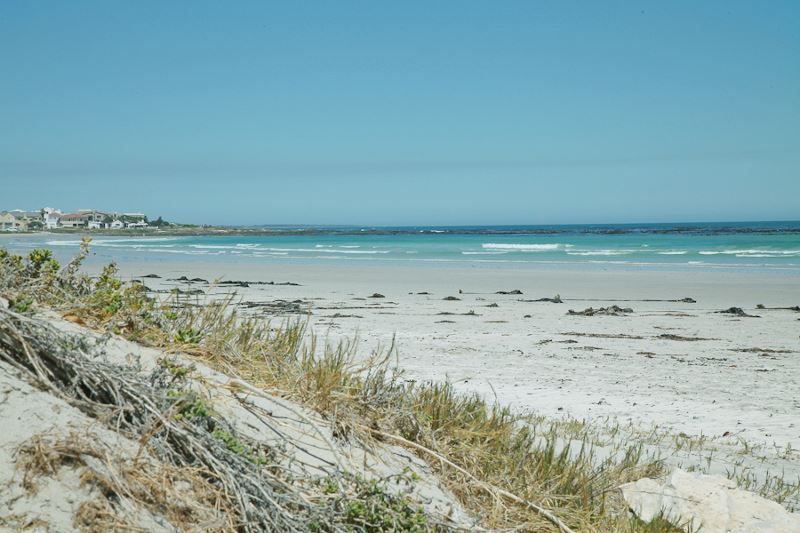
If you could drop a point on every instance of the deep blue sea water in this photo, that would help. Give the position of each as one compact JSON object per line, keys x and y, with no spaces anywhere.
{"x":754,"y":246}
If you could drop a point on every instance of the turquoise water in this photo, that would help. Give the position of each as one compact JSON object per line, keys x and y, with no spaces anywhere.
{"x":743,"y":246}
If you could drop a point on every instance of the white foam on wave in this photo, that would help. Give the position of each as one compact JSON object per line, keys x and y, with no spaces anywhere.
{"x":137,"y":246}
{"x":600,"y":252}
{"x":329,"y":251}
{"x":110,"y":244}
{"x":183,"y":251}
{"x":524,"y":247}
{"x":303,"y":250}
{"x":138,"y":239}
{"x":211,"y":247}
{"x":673,"y":252}
{"x":113,"y":242}
{"x":752,"y":253}
{"x":485,"y":253}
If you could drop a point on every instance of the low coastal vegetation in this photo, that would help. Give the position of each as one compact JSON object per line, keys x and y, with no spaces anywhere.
{"x":508,"y":470}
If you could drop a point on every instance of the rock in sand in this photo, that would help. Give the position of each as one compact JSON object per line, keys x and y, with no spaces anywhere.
{"x":712,"y":503}
{"x":737,"y":311}
{"x":612,"y":310}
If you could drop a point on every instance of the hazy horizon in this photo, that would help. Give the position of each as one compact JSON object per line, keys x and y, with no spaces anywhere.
{"x":636,"y":223}
{"x":452,"y":113}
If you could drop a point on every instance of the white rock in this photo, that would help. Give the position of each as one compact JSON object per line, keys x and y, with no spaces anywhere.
{"x":712,"y":503}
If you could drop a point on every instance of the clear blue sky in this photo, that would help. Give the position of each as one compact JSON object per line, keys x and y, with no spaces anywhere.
{"x":405,"y":112}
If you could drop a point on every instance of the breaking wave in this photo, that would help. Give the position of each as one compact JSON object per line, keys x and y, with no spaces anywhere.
{"x":601,"y":252}
{"x":751,"y":253}
{"x":524,"y":247}
{"x":114,"y":243}
{"x":306,"y":250}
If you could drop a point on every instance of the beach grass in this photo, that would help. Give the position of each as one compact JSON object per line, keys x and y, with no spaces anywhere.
{"x":511,"y":471}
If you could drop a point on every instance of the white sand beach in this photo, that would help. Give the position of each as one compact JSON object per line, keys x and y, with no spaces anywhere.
{"x":708,"y":392}
{"x":668,"y":366}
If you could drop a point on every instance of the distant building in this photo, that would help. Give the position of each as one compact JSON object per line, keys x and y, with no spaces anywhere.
{"x":82,"y":218}
{"x":28,"y":216}
{"x":9,"y":222}
{"x":74,"y":220}
{"x":51,"y":217}
{"x":95,"y":215}
{"x":23,"y":220}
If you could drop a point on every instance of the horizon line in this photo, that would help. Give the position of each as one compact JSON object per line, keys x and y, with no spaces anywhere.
{"x":774,"y":221}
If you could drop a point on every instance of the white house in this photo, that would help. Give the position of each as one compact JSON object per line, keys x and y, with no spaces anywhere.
{"x":117,"y":224}
{"x":94,"y":224}
{"x":140,"y":224}
{"x":51,"y":217}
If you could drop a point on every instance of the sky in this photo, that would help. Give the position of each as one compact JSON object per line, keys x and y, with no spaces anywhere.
{"x":403,"y":113}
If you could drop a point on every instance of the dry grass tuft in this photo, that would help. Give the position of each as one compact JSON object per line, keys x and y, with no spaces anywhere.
{"x":126,"y":485}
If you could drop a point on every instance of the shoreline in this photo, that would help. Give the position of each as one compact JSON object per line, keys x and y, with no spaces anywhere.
{"x":258,"y":256}
{"x":300,"y":254}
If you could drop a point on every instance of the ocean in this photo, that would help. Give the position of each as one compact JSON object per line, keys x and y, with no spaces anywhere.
{"x":752,"y":246}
